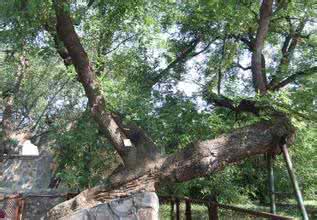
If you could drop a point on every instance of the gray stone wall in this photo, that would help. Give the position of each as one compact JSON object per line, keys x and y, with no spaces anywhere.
{"x":141,"y":206}
{"x":25,"y":173}
{"x":29,"y":176}
{"x":36,"y":207}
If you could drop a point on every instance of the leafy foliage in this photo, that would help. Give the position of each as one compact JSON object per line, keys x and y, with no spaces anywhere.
{"x":84,"y":157}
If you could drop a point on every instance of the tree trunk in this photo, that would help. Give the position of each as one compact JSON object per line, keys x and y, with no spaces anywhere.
{"x":257,"y":59}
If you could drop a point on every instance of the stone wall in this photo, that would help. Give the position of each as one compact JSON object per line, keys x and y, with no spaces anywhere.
{"x":28,"y":177}
{"x":141,"y":206}
{"x":36,"y":207}
{"x":25,"y":173}
{"x":31,"y":207}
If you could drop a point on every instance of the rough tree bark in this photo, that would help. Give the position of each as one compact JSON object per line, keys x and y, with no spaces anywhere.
{"x":199,"y":159}
{"x":112,"y":128}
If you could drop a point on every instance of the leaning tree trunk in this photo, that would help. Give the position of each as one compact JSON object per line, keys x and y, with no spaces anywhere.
{"x":197,"y":160}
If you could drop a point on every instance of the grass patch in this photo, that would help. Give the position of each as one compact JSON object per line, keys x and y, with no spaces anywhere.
{"x":200,"y":212}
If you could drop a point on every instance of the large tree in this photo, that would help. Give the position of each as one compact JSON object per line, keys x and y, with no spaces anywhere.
{"x":218,"y":36}
{"x":202,"y":157}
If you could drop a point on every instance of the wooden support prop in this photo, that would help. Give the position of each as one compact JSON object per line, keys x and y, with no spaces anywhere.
{"x":213,"y":209}
{"x":177,"y":209}
{"x":188,"y":211}
{"x":270,"y":161}
{"x":292,"y":176}
{"x":172,"y":209}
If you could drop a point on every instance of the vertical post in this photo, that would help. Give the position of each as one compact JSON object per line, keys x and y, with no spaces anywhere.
{"x":22,"y":208}
{"x":17,"y":211}
{"x":172,"y":209}
{"x":177,"y":209}
{"x":292,"y":176}
{"x":188,"y":211}
{"x":18,"y":206}
{"x":270,"y":162}
{"x":213,"y":209}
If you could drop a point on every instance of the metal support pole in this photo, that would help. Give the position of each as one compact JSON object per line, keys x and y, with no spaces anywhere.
{"x":177,"y":209}
{"x":292,"y":176}
{"x":270,"y":162}
{"x":188,"y":211}
{"x":172,"y":209}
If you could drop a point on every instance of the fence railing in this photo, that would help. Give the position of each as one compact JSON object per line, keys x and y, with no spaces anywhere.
{"x":14,"y":205}
{"x":213,"y":208}
{"x":11,"y":206}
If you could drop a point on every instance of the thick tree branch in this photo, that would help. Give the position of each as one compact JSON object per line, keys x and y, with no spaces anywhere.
{"x":225,"y":102}
{"x":205,"y":157}
{"x":220,"y":101}
{"x":292,"y":78}
{"x":257,"y":59}
{"x":86,"y":75}
{"x":288,"y":48}
{"x":291,"y":42}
